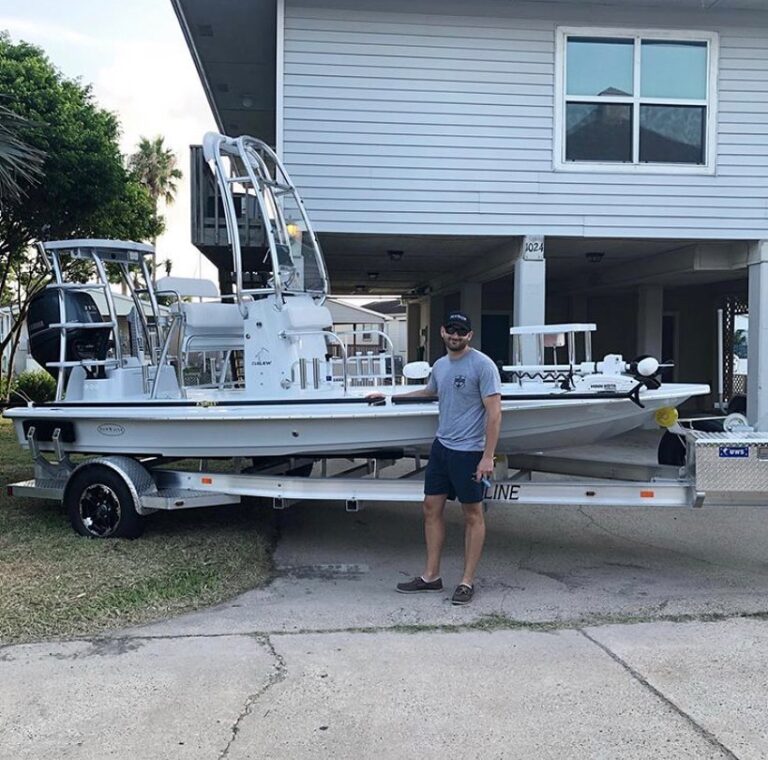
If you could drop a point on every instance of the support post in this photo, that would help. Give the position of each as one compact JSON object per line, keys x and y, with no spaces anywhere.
{"x":530,"y":291}
{"x":435,"y":347}
{"x":757,"y":376}
{"x":650,"y":315}
{"x":413,"y":325}
{"x":423,"y":349}
{"x":472,"y":306}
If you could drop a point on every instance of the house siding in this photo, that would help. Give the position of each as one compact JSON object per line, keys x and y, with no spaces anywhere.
{"x":410,"y":121}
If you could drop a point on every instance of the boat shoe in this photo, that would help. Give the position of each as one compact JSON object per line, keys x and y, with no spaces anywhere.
{"x":419,"y":584}
{"x":463,"y":594}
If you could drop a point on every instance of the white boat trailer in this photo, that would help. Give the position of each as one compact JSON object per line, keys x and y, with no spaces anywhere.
{"x":108,"y":496}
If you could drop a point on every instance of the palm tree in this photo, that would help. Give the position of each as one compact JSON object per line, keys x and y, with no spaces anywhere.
{"x":20,"y":163}
{"x":154,"y":165}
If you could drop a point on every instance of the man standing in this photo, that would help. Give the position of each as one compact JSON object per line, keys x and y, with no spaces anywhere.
{"x":468,"y":388}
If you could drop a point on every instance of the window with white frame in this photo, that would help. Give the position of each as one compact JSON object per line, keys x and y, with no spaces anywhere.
{"x":640,"y":100}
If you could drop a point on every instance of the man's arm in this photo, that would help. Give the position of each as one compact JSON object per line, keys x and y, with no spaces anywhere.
{"x":492,"y":406}
{"x":376,"y":396}
{"x":428,"y":391}
{"x":425,"y":391}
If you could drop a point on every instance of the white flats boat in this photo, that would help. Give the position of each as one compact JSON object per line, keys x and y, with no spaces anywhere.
{"x":273,"y":378}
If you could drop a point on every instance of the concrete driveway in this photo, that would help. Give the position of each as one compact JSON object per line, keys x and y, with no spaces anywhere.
{"x":596,"y":633}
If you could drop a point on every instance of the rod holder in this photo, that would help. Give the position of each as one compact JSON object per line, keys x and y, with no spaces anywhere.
{"x":303,"y":373}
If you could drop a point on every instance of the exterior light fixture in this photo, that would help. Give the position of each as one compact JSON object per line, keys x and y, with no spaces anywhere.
{"x":373,"y":275}
{"x":247,"y":101}
{"x":594,"y":257}
{"x":395,"y":255}
{"x":294,"y":231}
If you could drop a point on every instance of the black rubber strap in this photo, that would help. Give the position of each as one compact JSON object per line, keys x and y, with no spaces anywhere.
{"x":632,"y":395}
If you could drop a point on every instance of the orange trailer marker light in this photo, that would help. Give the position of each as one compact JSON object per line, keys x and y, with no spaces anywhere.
{"x":647,"y":494}
{"x":206,"y":481}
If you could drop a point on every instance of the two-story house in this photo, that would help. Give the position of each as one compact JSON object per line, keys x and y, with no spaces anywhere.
{"x":526,"y":161}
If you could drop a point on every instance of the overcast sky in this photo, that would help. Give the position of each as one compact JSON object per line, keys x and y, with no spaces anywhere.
{"x":134,"y":55}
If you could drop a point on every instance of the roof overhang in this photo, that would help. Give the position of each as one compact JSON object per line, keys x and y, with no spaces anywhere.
{"x":347,"y":314}
{"x":234,"y":45}
{"x":682,"y":5}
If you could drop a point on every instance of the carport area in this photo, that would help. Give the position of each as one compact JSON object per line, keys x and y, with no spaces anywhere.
{"x":663,"y":297}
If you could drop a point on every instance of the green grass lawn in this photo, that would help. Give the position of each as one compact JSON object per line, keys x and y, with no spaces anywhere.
{"x":54,"y":583}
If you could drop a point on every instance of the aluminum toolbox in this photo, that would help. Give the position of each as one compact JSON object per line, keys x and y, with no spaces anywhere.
{"x":732,"y":463}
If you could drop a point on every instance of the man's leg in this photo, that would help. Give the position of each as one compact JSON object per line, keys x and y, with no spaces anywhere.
{"x":474,"y":538}
{"x":434,"y":533}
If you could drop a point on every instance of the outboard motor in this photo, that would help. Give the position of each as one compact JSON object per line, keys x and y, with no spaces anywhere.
{"x":81,"y":343}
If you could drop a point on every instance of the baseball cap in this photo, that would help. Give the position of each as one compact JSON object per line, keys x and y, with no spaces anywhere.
{"x":459,"y":319}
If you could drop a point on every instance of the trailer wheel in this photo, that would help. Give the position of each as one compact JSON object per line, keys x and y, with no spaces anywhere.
{"x":671,"y":450}
{"x":100,"y":504}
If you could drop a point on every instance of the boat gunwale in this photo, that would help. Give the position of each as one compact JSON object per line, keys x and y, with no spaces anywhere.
{"x":226,"y":410}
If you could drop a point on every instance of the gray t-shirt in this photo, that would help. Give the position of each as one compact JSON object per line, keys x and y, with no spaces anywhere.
{"x":461,"y":385}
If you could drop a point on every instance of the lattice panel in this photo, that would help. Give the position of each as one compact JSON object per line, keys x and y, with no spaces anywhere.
{"x":733,"y":385}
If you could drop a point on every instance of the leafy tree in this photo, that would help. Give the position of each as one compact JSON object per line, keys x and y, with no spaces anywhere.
{"x":85,"y":190}
{"x":154,"y":166}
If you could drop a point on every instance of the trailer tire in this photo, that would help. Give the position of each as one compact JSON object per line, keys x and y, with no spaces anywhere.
{"x":671,"y":450}
{"x":100,"y":504}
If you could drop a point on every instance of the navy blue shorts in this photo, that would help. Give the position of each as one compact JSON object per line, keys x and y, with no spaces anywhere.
{"x":453,"y":473}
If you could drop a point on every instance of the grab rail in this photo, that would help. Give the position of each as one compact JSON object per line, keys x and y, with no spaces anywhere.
{"x":345,"y":354}
{"x":390,"y":352}
{"x":64,"y":325}
{"x":119,"y":253}
{"x":175,"y":319}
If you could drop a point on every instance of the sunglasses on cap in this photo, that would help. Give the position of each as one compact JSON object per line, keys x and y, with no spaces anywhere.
{"x":454,"y":330}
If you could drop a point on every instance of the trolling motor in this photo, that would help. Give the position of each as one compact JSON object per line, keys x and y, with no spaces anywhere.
{"x":645,"y":369}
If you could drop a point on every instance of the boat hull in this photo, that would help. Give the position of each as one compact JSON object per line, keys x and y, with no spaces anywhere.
{"x":176,"y":430}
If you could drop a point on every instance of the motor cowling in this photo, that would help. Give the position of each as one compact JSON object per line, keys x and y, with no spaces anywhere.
{"x":81,"y":344}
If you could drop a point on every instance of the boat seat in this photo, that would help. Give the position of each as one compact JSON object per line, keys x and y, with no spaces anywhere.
{"x":307,"y":316}
{"x":187,"y":287}
{"x":212,"y":327}
{"x":208,"y":325}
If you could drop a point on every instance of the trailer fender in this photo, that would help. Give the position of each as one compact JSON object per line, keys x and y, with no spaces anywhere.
{"x":103,"y":497}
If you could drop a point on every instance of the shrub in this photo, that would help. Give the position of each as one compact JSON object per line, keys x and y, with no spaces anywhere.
{"x":37,"y":385}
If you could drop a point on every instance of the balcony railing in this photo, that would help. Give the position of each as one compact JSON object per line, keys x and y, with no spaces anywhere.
{"x":209,"y":229}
